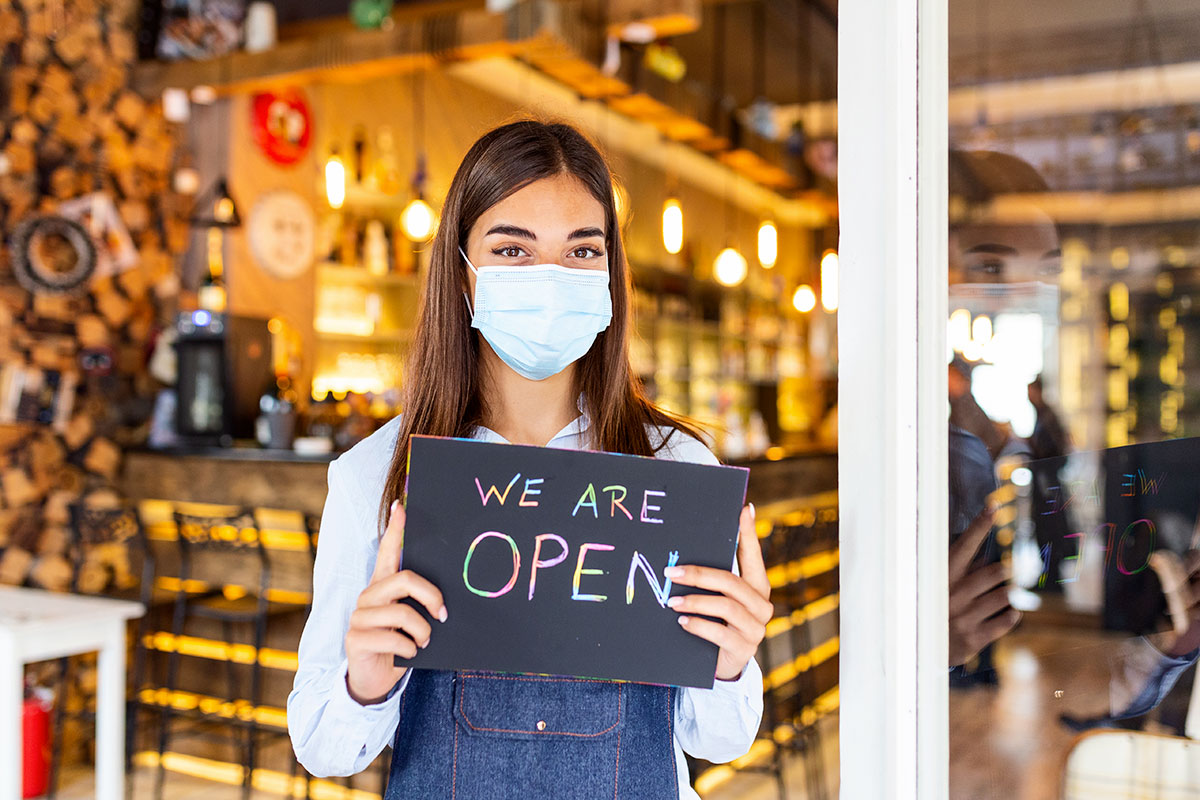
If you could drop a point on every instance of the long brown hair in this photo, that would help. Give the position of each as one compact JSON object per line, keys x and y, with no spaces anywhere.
{"x":442,"y":394}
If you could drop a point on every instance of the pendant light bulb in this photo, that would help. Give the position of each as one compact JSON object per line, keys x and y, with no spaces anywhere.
{"x":805,"y":299}
{"x":829,"y":281}
{"x":417,"y":220}
{"x":730,"y":267}
{"x":672,"y":226}
{"x":768,"y":244}
{"x":335,"y":181}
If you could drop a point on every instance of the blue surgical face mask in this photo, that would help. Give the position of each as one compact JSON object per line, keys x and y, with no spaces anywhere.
{"x":539,"y":319}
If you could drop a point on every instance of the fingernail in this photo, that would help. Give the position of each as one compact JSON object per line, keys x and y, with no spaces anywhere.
{"x":753,"y":513}
{"x":442,"y":614}
{"x":684,"y":620}
{"x":424,"y":644}
{"x":675,"y":602}
{"x":673,"y":572}
{"x":395,"y":503}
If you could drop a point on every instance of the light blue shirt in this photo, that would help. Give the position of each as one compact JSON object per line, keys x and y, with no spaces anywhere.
{"x":334,"y":735}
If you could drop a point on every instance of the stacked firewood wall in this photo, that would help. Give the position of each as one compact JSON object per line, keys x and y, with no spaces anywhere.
{"x":71,"y":126}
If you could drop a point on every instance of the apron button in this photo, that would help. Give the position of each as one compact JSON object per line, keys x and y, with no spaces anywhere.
{"x":541,"y":726}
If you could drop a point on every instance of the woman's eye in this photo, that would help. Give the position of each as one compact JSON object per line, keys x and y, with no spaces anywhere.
{"x":586,"y":252}
{"x":508,"y":252}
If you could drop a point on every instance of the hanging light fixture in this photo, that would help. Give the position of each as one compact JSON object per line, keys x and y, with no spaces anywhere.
{"x":829,"y":281}
{"x":672,"y":226}
{"x":730,"y":267}
{"x":335,"y":180}
{"x":768,"y":244}
{"x":805,"y":299}
{"x":417,"y":219}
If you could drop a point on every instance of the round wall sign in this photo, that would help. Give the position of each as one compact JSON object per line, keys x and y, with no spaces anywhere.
{"x":282,"y":124}
{"x":281,"y":233}
{"x":52,"y":254}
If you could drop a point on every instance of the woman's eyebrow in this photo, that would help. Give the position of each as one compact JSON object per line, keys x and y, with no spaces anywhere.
{"x":512,"y":230}
{"x":585,"y":233}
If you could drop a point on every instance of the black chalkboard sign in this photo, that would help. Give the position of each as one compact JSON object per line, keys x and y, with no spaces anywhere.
{"x":551,"y":561}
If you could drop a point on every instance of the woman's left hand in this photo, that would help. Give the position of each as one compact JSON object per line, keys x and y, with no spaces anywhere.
{"x":742,"y":603}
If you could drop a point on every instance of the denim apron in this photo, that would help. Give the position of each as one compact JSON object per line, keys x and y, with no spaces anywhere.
{"x":485,"y":735}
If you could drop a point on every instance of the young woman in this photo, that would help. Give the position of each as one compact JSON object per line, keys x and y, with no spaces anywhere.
{"x":522,"y":337}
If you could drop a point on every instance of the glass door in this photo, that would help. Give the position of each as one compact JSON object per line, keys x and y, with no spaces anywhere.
{"x":1073,"y":381}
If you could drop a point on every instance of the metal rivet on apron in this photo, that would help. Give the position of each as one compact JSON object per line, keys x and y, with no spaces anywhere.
{"x":541,"y":726}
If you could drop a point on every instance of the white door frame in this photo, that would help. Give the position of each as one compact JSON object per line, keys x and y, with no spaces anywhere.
{"x":892,"y":398}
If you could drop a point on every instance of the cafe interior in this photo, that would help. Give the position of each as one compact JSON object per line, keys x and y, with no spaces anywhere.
{"x":217,"y":219}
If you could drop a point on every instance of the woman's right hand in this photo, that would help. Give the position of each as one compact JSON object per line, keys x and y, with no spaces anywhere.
{"x":382,"y":628}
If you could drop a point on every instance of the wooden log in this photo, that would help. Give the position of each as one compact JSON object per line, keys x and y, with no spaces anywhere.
{"x":46,"y":453}
{"x":21,"y":158}
{"x":114,"y":307}
{"x":35,"y":50}
{"x":19,"y":488}
{"x":55,"y":539}
{"x":15,"y":565}
{"x":74,"y":130}
{"x":56,"y":510}
{"x":91,"y":331}
{"x":65,"y":183}
{"x":135,"y":214}
{"x":130,"y":110}
{"x":103,"y":458}
{"x":59,"y":82}
{"x":11,"y":27}
{"x":8,"y":517}
{"x":24,"y":131}
{"x":133,"y":282}
{"x":79,"y":430}
{"x":121,"y":44}
{"x":73,"y":45}
{"x":58,"y":307}
{"x":51,"y":572}
{"x":22,"y":80}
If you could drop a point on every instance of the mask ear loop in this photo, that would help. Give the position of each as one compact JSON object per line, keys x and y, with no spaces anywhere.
{"x":466,"y":299}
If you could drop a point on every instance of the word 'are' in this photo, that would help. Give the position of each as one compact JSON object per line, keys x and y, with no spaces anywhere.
{"x":587,"y":500}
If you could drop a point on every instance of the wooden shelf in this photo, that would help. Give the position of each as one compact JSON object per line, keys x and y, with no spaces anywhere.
{"x":332,"y":50}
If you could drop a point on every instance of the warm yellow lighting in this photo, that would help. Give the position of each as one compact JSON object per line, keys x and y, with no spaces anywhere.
{"x":730,"y":267}
{"x":620,"y":203}
{"x":768,"y":244}
{"x":1119,"y":258}
{"x":981,"y":329}
{"x":829,"y":281}
{"x":973,"y":351}
{"x":959,"y":329}
{"x":417,"y":220}
{"x":335,"y":181}
{"x":672,"y":226}
{"x":1118,"y":302}
{"x":1118,"y":344}
{"x":805,"y":299}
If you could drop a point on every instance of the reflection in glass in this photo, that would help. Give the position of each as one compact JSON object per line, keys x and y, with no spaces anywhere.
{"x":1074,"y":263}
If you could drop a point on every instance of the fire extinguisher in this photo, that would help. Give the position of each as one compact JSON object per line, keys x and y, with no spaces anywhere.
{"x":35,"y":751}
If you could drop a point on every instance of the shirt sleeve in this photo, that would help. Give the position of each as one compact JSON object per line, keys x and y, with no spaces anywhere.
{"x":719,"y":724}
{"x":331,"y":732}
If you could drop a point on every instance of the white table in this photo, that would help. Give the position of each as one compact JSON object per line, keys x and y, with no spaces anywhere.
{"x":36,"y":626}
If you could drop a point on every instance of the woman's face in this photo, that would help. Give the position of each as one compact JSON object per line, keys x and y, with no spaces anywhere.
{"x":550,"y":221}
